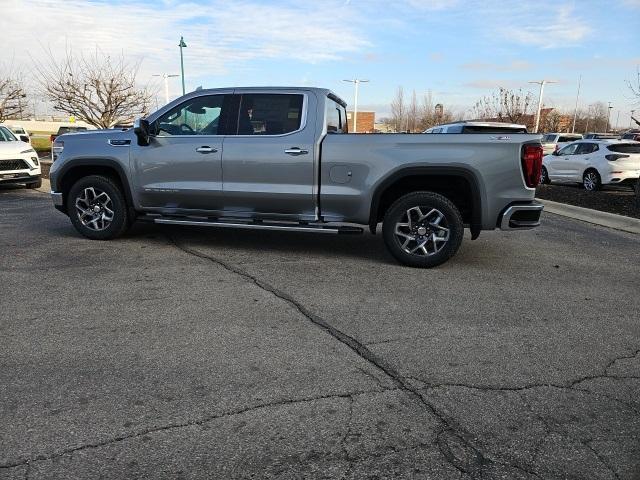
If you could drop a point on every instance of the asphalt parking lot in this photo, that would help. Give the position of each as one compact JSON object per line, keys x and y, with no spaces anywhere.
{"x":197,"y":353}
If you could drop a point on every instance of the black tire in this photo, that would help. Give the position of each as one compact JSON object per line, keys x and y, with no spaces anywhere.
{"x":81,"y":191}
{"x":36,"y":184}
{"x":437,"y":251}
{"x":544,"y":177}
{"x":591,"y":180}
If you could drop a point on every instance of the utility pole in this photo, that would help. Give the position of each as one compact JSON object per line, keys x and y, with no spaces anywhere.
{"x":608,"y":118}
{"x":166,"y":77}
{"x":182,"y":45}
{"x":617,"y":119}
{"x":575,"y":111}
{"x":542,"y":83}
{"x":356,"y":82}
{"x":631,"y":118}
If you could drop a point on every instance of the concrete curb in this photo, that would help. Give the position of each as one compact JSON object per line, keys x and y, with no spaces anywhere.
{"x":604,"y":219}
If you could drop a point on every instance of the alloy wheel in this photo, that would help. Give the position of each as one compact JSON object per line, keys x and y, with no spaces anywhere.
{"x":94,"y":208}
{"x":590,"y":181}
{"x":422,"y":234}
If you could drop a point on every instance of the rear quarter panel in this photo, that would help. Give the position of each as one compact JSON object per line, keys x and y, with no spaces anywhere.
{"x":495,"y":164}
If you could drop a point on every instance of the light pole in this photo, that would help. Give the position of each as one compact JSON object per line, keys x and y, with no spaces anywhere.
{"x":182,"y":45}
{"x":608,"y":118}
{"x":631,"y":118}
{"x":542,"y":84}
{"x":356,"y":82}
{"x":166,"y":77}
{"x":575,"y":111}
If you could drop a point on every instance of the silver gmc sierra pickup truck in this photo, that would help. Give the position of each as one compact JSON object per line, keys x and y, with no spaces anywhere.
{"x":282,"y":159}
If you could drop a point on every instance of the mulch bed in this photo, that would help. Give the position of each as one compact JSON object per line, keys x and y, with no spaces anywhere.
{"x":619,"y":200}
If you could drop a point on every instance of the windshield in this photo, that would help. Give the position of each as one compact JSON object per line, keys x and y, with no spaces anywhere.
{"x":6,"y":135}
{"x":492,"y":129}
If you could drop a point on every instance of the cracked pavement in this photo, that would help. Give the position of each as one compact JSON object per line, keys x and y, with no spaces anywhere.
{"x":204,"y":353}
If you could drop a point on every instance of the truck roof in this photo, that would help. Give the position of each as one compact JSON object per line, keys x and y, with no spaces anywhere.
{"x":320,"y":91}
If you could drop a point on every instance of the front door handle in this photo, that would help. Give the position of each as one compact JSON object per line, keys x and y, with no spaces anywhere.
{"x":296,"y":151}
{"x":206,"y":149}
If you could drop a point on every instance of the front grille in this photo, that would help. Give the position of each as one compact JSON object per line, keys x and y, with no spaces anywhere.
{"x":13,"y":165}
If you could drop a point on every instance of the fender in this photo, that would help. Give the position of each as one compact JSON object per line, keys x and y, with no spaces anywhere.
{"x":98,"y":162}
{"x":476,"y":213}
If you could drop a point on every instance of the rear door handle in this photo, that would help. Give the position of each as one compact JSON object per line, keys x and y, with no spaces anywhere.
{"x":296,"y":151}
{"x":206,"y":149}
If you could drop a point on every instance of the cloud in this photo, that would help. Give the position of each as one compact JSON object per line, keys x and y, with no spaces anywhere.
{"x":562,"y":28}
{"x":221,"y":36}
{"x":513,"y":66}
{"x":490,"y":84}
{"x":432,"y":4}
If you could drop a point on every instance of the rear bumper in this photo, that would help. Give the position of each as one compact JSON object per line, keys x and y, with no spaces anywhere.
{"x":520,"y":216}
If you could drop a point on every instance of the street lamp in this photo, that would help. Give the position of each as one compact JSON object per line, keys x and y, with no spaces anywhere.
{"x":542,"y":84}
{"x":356,"y":82}
{"x":631,"y":118}
{"x":608,"y":118}
{"x":166,"y":77}
{"x":182,"y":45}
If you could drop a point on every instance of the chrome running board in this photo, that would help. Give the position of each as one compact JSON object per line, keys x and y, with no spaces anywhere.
{"x":315,"y":228}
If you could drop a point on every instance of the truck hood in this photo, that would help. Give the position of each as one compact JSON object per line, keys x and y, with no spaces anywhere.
{"x":13,"y":148}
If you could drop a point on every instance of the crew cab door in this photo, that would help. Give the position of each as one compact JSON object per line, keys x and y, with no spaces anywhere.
{"x":268,"y":159}
{"x":560,"y":164}
{"x":181,"y":168}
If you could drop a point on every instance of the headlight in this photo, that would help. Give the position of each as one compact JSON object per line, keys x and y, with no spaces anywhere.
{"x":35,"y":160}
{"x":31,"y":150}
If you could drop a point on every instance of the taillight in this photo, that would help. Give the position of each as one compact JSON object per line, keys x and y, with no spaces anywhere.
{"x":532,"y":164}
{"x":613,"y":157}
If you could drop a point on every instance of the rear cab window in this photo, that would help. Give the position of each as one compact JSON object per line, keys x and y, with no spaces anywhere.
{"x":270,"y":114}
{"x":336,"y":117}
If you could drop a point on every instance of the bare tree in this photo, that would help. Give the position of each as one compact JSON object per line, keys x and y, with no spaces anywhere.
{"x":634,"y":85}
{"x":431,"y":115}
{"x":398,"y":110}
{"x":412,"y":113}
{"x":99,"y":89}
{"x":12,"y":97}
{"x":552,"y":121}
{"x":504,"y":105}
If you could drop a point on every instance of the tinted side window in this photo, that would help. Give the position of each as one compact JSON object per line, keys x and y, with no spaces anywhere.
{"x":336,"y":118}
{"x":569,"y":149}
{"x":197,"y":116}
{"x":567,"y":139}
{"x":269,"y":114}
{"x":549,"y":139}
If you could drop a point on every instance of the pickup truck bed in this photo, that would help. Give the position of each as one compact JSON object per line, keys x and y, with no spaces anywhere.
{"x":281,"y":158}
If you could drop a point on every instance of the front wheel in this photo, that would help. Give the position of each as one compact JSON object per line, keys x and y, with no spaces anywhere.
{"x":97,"y":208}
{"x":591,"y":180}
{"x":423,"y":229}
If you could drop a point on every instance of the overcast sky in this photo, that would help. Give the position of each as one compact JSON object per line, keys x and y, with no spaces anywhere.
{"x":458,"y":49}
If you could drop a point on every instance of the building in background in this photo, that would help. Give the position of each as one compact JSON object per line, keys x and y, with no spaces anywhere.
{"x":366,"y":122}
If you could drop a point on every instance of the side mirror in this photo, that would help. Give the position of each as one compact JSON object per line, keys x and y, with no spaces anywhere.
{"x":555,"y":152}
{"x":141,"y":129}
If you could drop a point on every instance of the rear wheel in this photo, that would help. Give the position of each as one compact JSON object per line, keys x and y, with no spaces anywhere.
{"x":97,"y":208}
{"x":544,"y":177}
{"x":591,"y":180}
{"x":423,"y":229}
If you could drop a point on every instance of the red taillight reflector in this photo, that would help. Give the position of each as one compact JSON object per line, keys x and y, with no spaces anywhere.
{"x":532,"y":164}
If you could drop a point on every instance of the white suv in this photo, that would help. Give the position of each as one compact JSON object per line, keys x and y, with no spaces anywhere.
{"x":18,"y":161}
{"x":555,"y":141}
{"x":594,"y":163}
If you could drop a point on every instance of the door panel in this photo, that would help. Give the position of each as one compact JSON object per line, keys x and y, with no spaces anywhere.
{"x":181,"y":168}
{"x":172,"y":174}
{"x":561,"y":163}
{"x":269,"y":167}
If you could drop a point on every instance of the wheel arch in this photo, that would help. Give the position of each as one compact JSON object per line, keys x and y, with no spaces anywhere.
{"x":72,"y":171}
{"x":458,"y":182}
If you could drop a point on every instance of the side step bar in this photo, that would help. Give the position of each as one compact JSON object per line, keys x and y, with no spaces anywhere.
{"x":262,"y":226}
